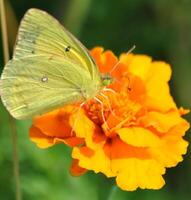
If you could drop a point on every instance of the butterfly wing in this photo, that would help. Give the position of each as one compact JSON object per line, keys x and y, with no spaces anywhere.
{"x":41,"y":34}
{"x":34,"y":85}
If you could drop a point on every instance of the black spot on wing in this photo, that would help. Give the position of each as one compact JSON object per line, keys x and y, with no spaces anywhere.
{"x":68,"y":48}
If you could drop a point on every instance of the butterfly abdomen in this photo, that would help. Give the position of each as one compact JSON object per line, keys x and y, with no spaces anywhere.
{"x":89,"y":91}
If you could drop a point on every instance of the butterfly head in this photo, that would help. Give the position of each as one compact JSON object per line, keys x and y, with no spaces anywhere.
{"x":106,"y":79}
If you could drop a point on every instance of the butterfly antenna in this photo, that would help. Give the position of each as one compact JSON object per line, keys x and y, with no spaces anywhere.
{"x":115,"y":66}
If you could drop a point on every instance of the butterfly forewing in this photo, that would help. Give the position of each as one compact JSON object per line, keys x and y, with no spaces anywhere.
{"x":41,"y":34}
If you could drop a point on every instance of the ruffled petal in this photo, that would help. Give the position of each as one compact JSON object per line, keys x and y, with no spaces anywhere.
{"x":135,"y":173}
{"x":173,"y":146}
{"x":139,"y":137}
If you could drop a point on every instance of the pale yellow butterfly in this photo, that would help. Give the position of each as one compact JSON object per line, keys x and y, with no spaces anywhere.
{"x":50,"y":68}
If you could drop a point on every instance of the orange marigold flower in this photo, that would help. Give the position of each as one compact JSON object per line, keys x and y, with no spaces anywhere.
{"x":134,"y":135}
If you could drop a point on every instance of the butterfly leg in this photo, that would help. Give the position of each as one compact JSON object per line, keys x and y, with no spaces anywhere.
{"x":102,"y":112}
{"x":109,"y":105}
{"x":109,"y":90}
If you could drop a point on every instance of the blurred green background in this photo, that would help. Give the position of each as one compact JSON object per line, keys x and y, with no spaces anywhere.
{"x":159,"y":28}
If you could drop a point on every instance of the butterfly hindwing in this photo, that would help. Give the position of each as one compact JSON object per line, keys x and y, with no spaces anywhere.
{"x":34,"y":85}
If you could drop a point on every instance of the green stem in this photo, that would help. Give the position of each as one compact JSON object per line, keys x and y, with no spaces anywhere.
{"x":11,"y":120}
{"x":4,"y":32}
{"x":112,"y":192}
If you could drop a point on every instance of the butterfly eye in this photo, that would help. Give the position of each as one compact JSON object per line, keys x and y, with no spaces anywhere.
{"x":106,"y":79}
{"x":68,"y":48}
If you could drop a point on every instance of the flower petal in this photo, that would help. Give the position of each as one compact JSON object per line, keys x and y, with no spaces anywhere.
{"x":85,"y":128}
{"x":138,"y":137}
{"x":138,"y":65}
{"x":105,"y":60}
{"x":145,"y":174}
{"x":75,"y":169}
{"x":98,"y":162}
{"x":158,"y":92}
{"x":41,"y":140}
{"x":162,"y":122}
{"x":173,"y":146}
{"x":56,"y":123}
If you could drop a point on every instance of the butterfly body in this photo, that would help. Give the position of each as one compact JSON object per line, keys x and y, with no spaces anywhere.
{"x":50,"y":68}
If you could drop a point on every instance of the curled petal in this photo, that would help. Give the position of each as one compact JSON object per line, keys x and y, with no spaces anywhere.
{"x":41,"y":140}
{"x":75,"y":169}
{"x":162,"y":122}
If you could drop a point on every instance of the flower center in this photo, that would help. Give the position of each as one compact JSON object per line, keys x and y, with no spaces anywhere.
{"x":112,"y":111}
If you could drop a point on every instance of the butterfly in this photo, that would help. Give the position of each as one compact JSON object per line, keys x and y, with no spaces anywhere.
{"x":50,"y":68}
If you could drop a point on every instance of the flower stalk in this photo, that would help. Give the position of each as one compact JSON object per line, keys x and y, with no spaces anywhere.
{"x":11,"y":120}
